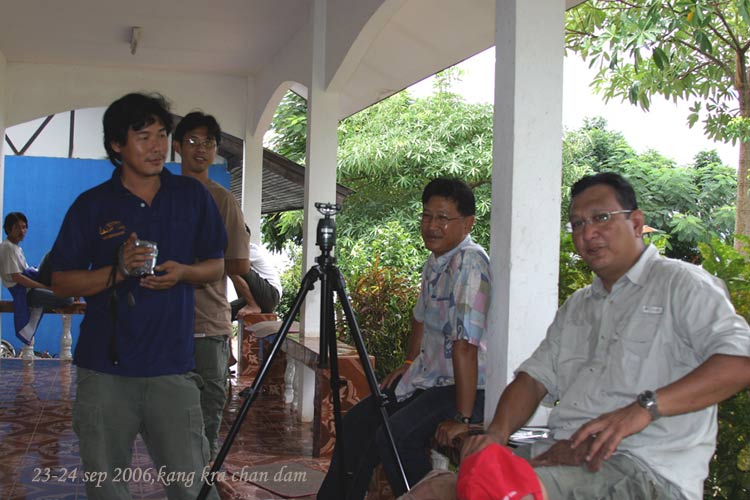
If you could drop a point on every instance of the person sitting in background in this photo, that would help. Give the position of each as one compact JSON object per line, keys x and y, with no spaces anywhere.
{"x":13,"y":264}
{"x":30,"y":294}
{"x":258,"y":290}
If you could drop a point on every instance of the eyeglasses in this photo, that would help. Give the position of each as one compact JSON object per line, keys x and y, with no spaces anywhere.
{"x":207,"y":143}
{"x":440,"y":220}
{"x":577,"y":225}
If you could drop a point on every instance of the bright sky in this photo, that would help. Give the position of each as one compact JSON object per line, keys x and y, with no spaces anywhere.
{"x":664,"y":128}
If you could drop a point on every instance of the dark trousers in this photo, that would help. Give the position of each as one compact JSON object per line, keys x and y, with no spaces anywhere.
{"x":413,"y":422}
{"x":265,"y":295}
{"x":41,"y":297}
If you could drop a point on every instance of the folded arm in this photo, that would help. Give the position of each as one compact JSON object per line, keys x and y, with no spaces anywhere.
{"x":85,"y":283}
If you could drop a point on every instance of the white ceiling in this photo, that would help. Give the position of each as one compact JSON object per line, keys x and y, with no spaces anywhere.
{"x":235,"y":37}
{"x":245,"y":37}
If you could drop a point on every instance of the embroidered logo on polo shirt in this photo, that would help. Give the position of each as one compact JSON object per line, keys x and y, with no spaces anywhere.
{"x":111,"y":229}
{"x":653,"y":309}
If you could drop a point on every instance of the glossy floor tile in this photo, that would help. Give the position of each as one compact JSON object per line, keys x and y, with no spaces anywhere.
{"x":39,"y":451}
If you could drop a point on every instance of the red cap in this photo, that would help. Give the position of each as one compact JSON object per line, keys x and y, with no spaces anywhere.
{"x":495,"y":473}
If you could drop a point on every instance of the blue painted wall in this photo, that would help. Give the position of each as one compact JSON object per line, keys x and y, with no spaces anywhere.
{"x":43,"y":189}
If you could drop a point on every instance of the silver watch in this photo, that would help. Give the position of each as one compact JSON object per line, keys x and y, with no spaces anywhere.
{"x":647,"y":400}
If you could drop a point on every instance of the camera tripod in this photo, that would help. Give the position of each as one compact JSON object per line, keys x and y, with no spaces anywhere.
{"x":331,"y":281}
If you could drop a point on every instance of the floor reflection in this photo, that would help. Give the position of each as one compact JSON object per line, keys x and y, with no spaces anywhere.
{"x":39,"y":449}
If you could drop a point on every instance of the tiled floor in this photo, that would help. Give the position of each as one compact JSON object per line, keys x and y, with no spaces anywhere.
{"x":39,"y":450}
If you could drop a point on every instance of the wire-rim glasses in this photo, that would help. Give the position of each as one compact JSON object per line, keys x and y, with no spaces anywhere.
{"x":576,"y":225}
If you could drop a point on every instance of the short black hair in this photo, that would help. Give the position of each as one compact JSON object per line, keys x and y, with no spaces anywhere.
{"x":453,"y":189}
{"x":133,"y":111}
{"x":194,"y":120}
{"x":624,"y":191}
{"x":11,"y":219}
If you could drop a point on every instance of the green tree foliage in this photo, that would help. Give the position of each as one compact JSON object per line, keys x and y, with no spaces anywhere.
{"x":681,"y":49}
{"x":386,"y":245}
{"x":291,"y":278}
{"x":592,"y":148}
{"x":729,"y":470}
{"x":574,"y":273}
{"x":387,"y":154}
{"x":281,"y":228}
{"x":690,"y":204}
{"x":402,"y":142}
{"x":288,"y":138}
{"x":289,"y":128}
{"x":389,"y":151}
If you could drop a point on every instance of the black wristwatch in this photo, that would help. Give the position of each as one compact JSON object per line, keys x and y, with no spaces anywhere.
{"x":647,"y":400}
{"x":461,"y":419}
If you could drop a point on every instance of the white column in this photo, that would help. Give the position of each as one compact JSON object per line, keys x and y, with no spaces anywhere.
{"x":525,"y":183}
{"x":320,"y":174}
{"x":3,"y":65}
{"x":252,"y":184}
{"x":320,"y":186}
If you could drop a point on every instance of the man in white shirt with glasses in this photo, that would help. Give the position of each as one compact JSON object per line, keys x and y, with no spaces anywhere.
{"x":636,"y":362}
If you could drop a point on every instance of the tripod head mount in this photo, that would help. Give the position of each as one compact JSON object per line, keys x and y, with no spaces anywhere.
{"x":326,"y":234}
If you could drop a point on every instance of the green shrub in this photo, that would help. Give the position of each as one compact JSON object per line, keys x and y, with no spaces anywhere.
{"x":729,"y":473}
{"x":382,"y":299}
{"x":291,"y":278}
{"x":574,"y":273}
{"x":393,"y":243}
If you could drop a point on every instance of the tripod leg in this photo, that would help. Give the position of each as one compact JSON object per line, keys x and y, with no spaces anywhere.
{"x":339,"y":286}
{"x":328,"y":345}
{"x":251,"y":393}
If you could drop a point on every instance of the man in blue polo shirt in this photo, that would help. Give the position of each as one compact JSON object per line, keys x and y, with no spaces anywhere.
{"x":135,"y":350}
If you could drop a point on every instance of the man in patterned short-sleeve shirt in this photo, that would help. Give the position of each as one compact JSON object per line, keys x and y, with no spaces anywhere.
{"x":440,"y":386}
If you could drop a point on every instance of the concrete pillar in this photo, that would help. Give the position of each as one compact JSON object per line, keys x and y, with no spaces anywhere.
{"x":252,"y":184}
{"x":320,"y":186}
{"x":322,"y":145}
{"x":525,"y":183}
{"x":252,"y":172}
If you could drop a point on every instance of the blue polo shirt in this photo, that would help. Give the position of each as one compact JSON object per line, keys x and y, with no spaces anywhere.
{"x":151,"y":331}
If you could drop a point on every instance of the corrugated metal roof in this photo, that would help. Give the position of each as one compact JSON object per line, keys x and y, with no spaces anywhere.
{"x":283,"y":179}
